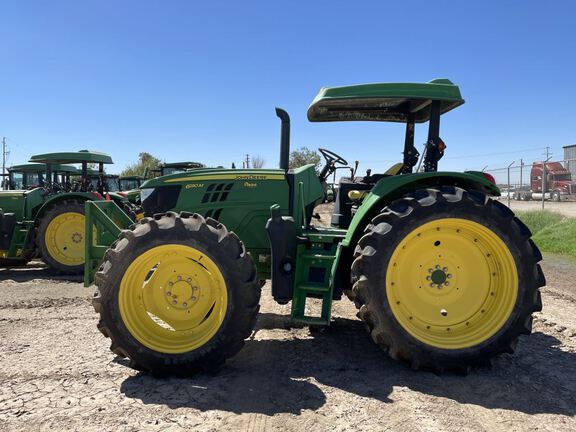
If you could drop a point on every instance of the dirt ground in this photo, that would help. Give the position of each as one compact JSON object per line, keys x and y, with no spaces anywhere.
{"x":58,"y":374}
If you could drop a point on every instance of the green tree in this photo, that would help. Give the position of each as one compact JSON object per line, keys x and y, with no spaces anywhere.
{"x":145,"y":161}
{"x":304,"y":156}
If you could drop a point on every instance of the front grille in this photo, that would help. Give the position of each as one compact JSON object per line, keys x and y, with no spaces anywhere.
{"x":161,"y":200}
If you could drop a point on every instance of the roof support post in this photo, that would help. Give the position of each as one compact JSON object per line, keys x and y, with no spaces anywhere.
{"x":434,"y":145}
{"x":48,"y":180}
{"x":85,"y":180}
{"x":410,"y":153}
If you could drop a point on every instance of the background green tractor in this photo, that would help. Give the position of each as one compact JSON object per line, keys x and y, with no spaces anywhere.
{"x":33,"y":175}
{"x":47,"y":219}
{"x":130,"y":188}
{"x":168,"y":168}
{"x":443,"y":276}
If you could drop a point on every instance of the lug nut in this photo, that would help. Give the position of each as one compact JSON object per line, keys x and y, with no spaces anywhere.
{"x":445,"y":269}
{"x":443,"y":312}
{"x":449,"y":276}
{"x":194,"y":298}
{"x":428,"y":278}
{"x":169,"y":294}
{"x":174,"y":302}
{"x":179,"y":278}
{"x":170,"y":283}
{"x":184,"y":304}
{"x":189,"y":280}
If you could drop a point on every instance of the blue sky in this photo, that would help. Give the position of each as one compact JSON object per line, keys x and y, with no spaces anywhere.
{"x":189,"y":80}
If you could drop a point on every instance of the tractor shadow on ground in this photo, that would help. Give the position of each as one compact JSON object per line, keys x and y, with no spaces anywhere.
{"x":33,"y":271}
{"x":288,"y":376}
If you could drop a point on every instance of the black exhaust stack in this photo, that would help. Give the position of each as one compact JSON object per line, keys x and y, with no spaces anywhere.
{"x":284,"y":138}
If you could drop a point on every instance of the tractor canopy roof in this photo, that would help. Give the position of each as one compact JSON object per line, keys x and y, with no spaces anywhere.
{"x":41,"y":167}
{"x":189,"y":165}
{"x":73,"y":157}
{"x":387,"y":102}
{"x":131,"y":177}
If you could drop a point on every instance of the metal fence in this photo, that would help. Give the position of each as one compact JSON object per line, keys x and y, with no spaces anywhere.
{"x":553,"y":181}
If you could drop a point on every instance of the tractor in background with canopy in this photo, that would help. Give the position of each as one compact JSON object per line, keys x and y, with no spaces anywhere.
{"x":33,"y":175}
{"x":443,"y":276}
{"x":48,"y":220}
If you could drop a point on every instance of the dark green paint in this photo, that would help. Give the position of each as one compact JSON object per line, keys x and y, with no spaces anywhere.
{"x":73,"y":157}
{"x":390,"y":102}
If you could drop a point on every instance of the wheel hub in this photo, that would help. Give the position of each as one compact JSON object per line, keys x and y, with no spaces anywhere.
{"x":64,"y":238}
{"x":451,"y":283}
{"x":173,"y":298}
{"x":182,"y":291}
{"x":439,"y":276}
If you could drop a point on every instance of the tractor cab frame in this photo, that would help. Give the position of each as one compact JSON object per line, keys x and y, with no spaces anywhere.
{"x":33,"y":175}
{"x":85,"y":158}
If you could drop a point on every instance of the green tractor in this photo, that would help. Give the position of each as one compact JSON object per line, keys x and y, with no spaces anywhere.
{"x":130,"y":188}
{"x":109,"y":182}
{"x":443,"y":276}
{"x":129,"y":183}
{"x":168,"y":168}
{"x":47,"y":219}
{"x":33,"y":175}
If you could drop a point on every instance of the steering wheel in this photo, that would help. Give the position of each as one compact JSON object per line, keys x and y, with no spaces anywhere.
{"x":331,"y":157}
{"x":331,"y":160}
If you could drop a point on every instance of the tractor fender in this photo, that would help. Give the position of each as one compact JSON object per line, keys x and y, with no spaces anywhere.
{"x":383,"y":193}
{"x":58,"y":198}
{"x":391,"y":188}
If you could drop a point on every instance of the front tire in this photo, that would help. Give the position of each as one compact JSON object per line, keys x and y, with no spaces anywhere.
{"x":446,"y":279}
{"x":177,"y":294}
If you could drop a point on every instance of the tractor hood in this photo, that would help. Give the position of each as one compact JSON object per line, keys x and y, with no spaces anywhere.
{"x":208,"y":174}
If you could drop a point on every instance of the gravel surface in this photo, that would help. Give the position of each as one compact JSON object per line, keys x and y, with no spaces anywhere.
{"x":567,"y":208}
{"x":58,"y":374}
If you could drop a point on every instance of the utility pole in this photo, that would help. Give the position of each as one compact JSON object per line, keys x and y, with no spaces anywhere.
{"x":3,"y":178}
{"x":247,"y":161}
{"x":548,"y":156}
{"x":4,"y":155}
{"x":521,"y":169}
{"x":508,"y":193}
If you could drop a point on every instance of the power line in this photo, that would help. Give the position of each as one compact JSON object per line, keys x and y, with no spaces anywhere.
{"x":493,"y":154}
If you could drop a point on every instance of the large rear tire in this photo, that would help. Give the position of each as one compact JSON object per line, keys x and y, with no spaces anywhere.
{"x":446,"y":279}
{"x":61,"y":237}
{"x":177,"y":294}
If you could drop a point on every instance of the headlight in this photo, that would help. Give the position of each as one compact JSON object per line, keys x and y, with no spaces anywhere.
{"x":145,"y":193}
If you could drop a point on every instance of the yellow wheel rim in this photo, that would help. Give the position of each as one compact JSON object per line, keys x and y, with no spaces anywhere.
{"x":64,"y":238}
{"x":173,"y":298}
{"x":452,"y":283}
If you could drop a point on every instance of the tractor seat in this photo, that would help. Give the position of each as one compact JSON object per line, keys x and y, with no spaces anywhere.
{"x":394,"y":169}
